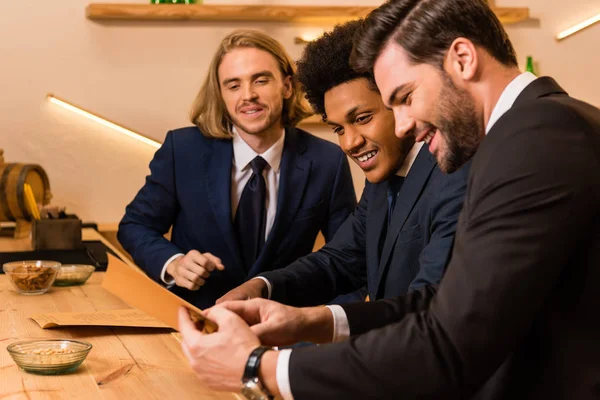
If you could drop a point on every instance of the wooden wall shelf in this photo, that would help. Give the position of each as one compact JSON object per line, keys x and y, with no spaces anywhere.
{"x":252,"y":12}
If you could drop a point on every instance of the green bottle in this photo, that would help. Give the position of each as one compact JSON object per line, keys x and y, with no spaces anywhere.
{"x":529,"y":66}
{"x":172,"y":1}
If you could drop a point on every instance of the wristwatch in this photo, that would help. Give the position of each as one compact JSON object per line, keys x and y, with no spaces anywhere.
{"x":252,"y":387}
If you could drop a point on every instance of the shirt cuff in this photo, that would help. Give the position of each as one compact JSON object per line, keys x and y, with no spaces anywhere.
{"x":341,"y":328}
{"x":268,"y":285}
{"x":163,"y":273}
{"x":282,"y":374}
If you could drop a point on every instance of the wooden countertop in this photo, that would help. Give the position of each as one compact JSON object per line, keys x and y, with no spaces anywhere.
{"x":124,"y":363}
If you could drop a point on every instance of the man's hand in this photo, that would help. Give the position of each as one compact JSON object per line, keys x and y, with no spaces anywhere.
{"x":249,"y":290}
{"x":192,"y":270}
{"x":279,"y":325}
{"x":219,"y":358}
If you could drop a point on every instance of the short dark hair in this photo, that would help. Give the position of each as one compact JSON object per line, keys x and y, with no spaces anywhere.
{"x":325,"y":64}
{"x":425,"y":29}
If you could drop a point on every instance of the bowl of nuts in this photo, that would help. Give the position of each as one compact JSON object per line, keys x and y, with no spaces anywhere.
{"x":32,"y":276}
{"x":73,"y":274}
{"x":49,"y":357}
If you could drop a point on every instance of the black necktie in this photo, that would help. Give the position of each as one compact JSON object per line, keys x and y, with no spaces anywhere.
{"x":394,"y":185}
{"x":250,"y":217}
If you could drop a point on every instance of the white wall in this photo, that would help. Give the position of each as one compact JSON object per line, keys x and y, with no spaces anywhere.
{"x":145,"y":75}
{"x":575,"y":61}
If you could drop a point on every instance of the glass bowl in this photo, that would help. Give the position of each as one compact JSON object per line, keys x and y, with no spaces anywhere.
{"x":32,"y":276}
{"x":73,"y":274}
{"x":49,"y":357}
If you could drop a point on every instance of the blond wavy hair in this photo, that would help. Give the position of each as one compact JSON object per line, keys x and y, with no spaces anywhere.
{"x":209,"y":113}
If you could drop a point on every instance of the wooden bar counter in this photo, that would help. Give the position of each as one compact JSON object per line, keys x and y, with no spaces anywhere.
{"x":124,"y":363}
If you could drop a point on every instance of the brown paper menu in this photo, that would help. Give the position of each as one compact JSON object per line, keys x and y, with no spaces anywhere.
{"x":128,"y":317}
{"x":139,"y":291}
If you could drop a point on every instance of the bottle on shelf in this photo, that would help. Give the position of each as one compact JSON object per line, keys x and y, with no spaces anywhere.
{"x":529,"y":65}
{"x":172,"y":1}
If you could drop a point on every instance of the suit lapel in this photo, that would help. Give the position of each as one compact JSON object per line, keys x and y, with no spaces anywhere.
{"x":293,"y":178}
{"x":217,"y":175}
{"x":376,"y":232}
{"x":414,"y":184}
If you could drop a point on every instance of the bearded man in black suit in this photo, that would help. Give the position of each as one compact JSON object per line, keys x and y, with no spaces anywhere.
{"x":515,"y":315}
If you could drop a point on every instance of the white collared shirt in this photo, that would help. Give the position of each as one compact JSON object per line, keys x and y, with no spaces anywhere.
{"x":341,"y":328}
{"x":241,"y":172}
{"x":409,"y":160}
{"x":508,"y":97}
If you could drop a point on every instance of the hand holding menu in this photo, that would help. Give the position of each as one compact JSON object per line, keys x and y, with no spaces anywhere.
{"x":136,"y":289}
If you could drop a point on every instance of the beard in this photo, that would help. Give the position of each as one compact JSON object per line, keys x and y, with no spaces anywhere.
{"x":459,"y":126}
{"x":256,"y":128}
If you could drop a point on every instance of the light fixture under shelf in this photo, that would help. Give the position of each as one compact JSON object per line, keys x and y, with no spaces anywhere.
{"x":301,"y":40}
{"x":103,"y":121}
{"x":579,"y":27}
{"x":308,"y":37}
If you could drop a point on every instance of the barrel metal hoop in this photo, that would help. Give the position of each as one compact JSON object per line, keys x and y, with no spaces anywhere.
{"x":45,"y":181}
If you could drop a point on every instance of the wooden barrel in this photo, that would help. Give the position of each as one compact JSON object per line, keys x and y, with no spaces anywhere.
{"x":13,"y":177}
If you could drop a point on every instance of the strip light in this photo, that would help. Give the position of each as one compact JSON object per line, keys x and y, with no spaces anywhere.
{"x":308,"y":37}
{"x":578,"y":27}
{"x":78,"y":110}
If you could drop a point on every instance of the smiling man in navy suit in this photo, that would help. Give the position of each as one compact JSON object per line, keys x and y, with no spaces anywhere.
{"x":244,"y":190}
{"x":402,"y":232}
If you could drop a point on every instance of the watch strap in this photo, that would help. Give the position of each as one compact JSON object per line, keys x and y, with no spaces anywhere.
{"x":253,"y":363}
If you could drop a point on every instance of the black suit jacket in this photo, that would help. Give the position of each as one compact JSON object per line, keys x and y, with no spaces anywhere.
{"x":516,"y":314}
{"x":410,"y":253}
{"x":189,"y":188}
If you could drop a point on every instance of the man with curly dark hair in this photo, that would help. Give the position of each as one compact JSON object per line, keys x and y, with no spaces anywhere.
{"x":401,"y":234}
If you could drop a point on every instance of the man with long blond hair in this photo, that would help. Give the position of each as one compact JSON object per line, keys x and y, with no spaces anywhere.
{"x":244,"y":190}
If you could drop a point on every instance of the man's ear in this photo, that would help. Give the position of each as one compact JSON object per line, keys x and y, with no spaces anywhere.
{"x":462,"y":60}
{"x":288,"y":88}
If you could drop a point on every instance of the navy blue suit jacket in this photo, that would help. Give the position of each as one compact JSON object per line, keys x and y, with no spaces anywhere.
{"x":189,"y":189}
{"x":411,"y":252}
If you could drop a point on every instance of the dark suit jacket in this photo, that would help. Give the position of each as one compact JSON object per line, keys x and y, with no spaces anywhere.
{"x":189,"y":188}
{"x":516,"y":314}
{"x":409,"y":253}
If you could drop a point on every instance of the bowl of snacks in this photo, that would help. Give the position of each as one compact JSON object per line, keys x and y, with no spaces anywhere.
{"x":73,"y":274}
{"x":49,"y":357}
{"x":32,"y":276}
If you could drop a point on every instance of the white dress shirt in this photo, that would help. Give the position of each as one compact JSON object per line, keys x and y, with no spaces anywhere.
{"x":508,"y":97}
{"x":241,"y":172}
{"x":341,"y":328}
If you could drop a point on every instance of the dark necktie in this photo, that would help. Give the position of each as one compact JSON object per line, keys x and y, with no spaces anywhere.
{"x":250,"y":217}
{"x":394,"y":185}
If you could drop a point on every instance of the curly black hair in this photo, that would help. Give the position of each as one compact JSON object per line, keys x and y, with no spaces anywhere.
{"x":325,"y":64}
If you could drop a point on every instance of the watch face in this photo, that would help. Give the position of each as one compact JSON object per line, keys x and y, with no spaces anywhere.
{"x":251,"y":390}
